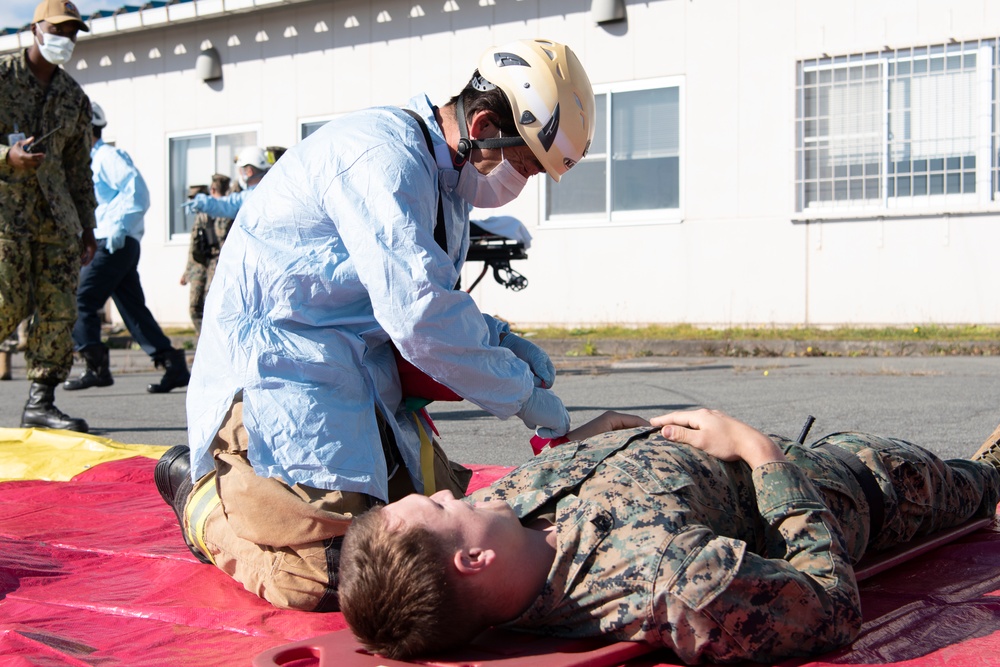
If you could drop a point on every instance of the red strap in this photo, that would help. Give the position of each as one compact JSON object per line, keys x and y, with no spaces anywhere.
{"x":417,"y":384}
{"x":538,"y":443}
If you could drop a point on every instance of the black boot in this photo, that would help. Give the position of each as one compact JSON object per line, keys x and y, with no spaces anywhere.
{"x":98,"y":370}
{"x":172,"y":475}
{"x":176,"y":374}
{"x":40,"y":411}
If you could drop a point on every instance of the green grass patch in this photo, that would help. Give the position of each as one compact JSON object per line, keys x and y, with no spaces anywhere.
{"x":688,"y":332}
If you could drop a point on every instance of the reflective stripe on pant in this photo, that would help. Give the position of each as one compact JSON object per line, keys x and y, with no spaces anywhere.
{"x":281,"y":542}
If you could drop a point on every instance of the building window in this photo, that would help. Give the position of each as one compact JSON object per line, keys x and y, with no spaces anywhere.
{"x":193,"y":161}
{"x":908,"y":128}
{"x":307,"y":128}
{"x":632,"y":171}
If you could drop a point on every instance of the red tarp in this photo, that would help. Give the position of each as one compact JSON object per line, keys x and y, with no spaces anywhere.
{"x":93,"y":572}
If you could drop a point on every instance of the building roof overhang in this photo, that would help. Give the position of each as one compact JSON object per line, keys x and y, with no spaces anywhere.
{"x":148,"y":16}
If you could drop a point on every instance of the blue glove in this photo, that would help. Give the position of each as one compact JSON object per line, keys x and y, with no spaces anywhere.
{"x":534,"y":356}
{"x":115,"y":242}
{"x":544,"y":412}
{"x":195,"y":205}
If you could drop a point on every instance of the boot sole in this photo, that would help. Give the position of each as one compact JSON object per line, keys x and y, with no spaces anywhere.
{"x":67,"y":387}
{"x":165,"y":485}
{"x":160,"y":389}
{"x":83,"y":429}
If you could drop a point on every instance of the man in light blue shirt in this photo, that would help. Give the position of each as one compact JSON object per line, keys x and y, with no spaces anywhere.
{"x":122,"y":201}
{"x":252,"y":163}
{"x":343,"y":261}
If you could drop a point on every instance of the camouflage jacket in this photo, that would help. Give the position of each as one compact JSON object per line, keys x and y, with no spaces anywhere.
{"x":661,"y":543}
{"x":64,"y":177}
{"x":221,"y":226}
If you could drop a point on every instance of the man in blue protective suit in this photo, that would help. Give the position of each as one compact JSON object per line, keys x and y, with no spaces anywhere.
{"x":252,"y":164}
{"x":344,"y":260}
{"x":122,"y":202}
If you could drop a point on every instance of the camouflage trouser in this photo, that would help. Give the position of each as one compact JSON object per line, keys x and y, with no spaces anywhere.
{"x":39,"y":275}
{"x":922,"y":493}
{"x":199,"y":277}
{"x":196,"y":296}
{"x":11,"y":343}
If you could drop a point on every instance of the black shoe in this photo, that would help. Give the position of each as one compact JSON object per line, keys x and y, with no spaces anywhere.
{"x":172,"y":475}
{"x":40,"y":410}
{"x":98,"y":370}
{"x":176,"y":374}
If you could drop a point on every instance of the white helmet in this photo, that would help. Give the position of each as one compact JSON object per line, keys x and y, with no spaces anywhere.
{"x":98,"y":119}
{"x":551,"y":96}
{"x":254,"y":156}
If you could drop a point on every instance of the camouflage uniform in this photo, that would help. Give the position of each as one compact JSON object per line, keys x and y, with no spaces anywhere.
{"x":198,"y":275}
{"x":661,"y":543}
{"x":43,"y":213}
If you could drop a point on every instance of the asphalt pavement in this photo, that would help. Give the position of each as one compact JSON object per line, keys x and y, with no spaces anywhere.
{"x":948,"y":404}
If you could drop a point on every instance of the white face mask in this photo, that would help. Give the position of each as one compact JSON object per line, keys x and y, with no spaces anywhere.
{"x":501,"y":186}
{"x":242,"y":179}
{"x":56,"y":48}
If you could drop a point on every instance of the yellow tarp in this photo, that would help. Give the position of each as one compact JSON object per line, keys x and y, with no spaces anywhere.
{"x":56,"y":456}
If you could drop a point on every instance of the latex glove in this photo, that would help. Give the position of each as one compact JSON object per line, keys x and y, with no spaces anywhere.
{"x":544,"y":412}
{"x":195,"y":205}
{"x":536,"y":358}
{"x":115,"y":242}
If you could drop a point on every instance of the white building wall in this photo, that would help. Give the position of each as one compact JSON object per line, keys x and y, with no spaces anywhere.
{"x":740,"y":254}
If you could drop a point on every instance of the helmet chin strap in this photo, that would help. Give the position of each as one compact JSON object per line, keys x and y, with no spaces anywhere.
{"x":465,"y":144}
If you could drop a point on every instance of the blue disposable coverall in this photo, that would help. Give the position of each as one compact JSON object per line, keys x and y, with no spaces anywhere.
{"x":223,"y":207}
{"x":333,"y":258}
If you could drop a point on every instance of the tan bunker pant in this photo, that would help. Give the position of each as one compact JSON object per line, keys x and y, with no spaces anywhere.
{"x":282,"y":542}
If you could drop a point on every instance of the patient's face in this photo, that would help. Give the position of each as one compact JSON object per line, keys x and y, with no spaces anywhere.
{"x":457,"y":521}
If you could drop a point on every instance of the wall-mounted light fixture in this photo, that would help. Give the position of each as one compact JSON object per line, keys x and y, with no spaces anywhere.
{"x":607,"y":11}
{"x":209,"y":65}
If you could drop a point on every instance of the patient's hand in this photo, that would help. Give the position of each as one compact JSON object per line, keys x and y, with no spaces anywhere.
{"x":719,"y":435}
{"x":609,"y":421}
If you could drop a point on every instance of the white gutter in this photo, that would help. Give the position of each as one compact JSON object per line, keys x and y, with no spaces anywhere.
{"x":151,"y":17}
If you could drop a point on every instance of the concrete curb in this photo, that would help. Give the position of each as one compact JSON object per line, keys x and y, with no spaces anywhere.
{"x":574,"y":352}
{"x":627,"y":348}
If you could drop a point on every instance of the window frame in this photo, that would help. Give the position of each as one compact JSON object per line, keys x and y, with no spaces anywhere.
{"x":312,"y":120}
{"x":987,"y":177}
{"x":213,"y":133}
{"x":609,"y":217}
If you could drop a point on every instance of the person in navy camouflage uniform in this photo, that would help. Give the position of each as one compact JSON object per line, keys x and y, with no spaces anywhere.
{"x":706,"y":537}
{"x":46,"y":204}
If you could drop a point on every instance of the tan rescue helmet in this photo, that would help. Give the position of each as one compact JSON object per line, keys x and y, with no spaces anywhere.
{"x":551,"y":96}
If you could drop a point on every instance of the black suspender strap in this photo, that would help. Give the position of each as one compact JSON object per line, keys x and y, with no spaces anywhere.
{"x":440,"y":235}
{"x":869,"y":486}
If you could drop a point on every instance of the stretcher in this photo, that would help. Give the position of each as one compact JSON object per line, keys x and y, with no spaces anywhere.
{"x":93,"y":571}
{"x":496,"y":252}
{"x":491,"y":649}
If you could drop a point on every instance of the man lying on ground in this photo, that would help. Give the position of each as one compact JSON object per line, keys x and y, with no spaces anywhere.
{"x":701,"y":535}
